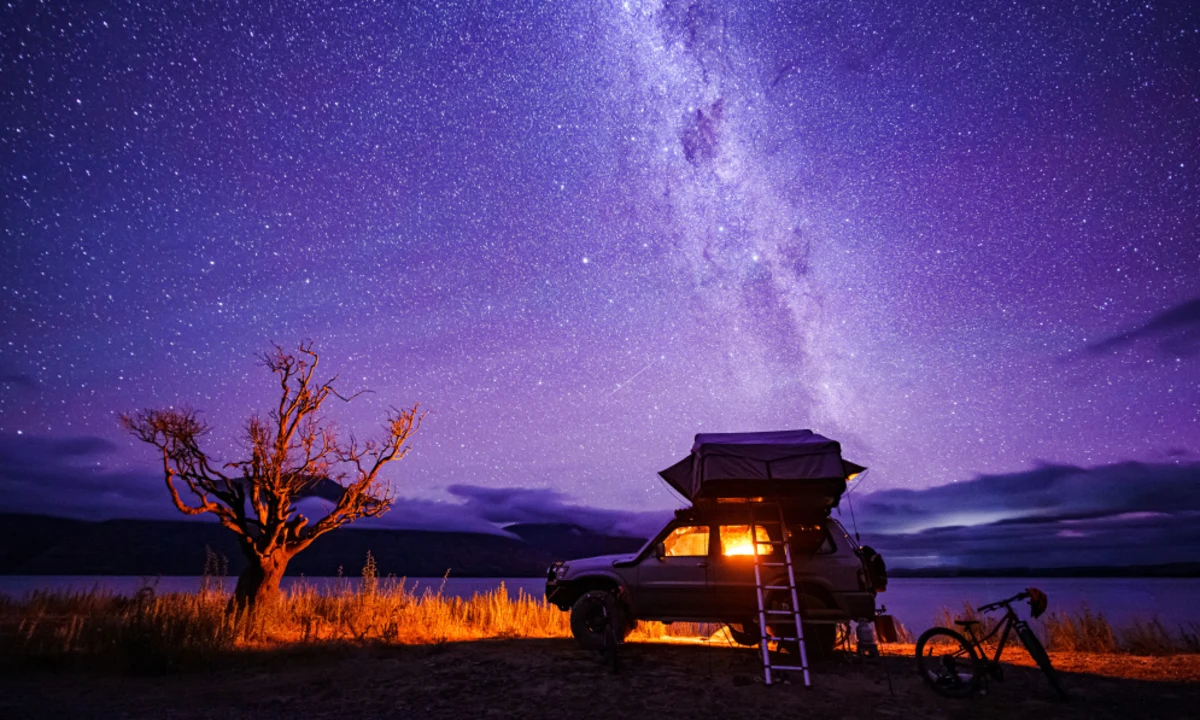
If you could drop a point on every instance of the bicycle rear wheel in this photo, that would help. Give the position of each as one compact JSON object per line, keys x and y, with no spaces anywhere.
{"x":948,"y":663}
{"x":1038,"y":653}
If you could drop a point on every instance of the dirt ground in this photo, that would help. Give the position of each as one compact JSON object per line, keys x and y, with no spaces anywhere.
{"x":554,"y":679}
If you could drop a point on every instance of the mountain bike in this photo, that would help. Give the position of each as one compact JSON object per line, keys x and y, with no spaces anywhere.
{"x":955,"y":666}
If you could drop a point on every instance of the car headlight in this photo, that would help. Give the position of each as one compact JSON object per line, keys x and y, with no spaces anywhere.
{"x":556,"y":571}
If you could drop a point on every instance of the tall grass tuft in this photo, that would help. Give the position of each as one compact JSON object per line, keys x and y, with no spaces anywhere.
{"x":1085,"y":630}
{"x":986,"y":625}
{"x":144,"y":633}
{"x":150,"y":632}
{"x":1078,"y":631}
{"x":1150,"y":638}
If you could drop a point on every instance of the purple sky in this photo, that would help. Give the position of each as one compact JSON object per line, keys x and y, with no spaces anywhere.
{"x":960,"y":237}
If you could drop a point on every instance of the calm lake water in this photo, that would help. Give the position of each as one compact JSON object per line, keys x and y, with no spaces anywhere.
{"x":914,"y":601}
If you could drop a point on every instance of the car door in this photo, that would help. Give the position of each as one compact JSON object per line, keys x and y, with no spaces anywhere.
{"x":676,"y":582}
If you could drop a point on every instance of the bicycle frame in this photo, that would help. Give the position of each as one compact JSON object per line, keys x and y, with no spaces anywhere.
{"x":1010,"y":621}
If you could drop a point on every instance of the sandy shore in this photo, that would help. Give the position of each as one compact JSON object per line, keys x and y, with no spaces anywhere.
{"x":554,"y":679}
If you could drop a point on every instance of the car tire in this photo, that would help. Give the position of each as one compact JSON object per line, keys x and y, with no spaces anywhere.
{"x":590,"y":615}
{"x":819,"y":638}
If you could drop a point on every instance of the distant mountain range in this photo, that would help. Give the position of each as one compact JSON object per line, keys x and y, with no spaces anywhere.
{"x":43,"y":545}
{"x":1166,"y":570}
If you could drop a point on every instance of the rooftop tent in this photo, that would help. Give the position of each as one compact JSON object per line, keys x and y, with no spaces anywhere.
{"x":797,"y":465}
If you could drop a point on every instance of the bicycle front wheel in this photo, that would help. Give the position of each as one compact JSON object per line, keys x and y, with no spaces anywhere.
{"x":948,"y":663}
{"x":1038,"y":653}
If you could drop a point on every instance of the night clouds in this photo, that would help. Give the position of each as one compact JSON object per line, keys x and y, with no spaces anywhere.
{"x":1174,"y":333}
{"x":1123,"y":514}
{"x":1050,"y":516}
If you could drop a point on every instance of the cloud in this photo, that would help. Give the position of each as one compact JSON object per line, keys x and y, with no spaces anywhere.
{"x":68,"y":477}
{"x":71,"y":477}
{"x":489,"y":509}
{"x":1053,"y":515}
{"x":543,"y":505}
{"x":1175,"y":331}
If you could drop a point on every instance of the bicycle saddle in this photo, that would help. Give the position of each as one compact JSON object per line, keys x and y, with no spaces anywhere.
{"x":966,"y":623}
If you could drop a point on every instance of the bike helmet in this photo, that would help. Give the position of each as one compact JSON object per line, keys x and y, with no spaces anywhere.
{"x":1037,"y":601}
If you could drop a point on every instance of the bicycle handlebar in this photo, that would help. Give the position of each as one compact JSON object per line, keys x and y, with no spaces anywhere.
{"x":993,"y":606}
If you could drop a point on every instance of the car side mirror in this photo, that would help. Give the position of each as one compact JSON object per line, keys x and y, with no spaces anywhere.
{"x":660,"y":551}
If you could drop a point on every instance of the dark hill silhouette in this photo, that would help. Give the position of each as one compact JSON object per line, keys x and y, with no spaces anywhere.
{"x":573,"y":541}
{"x":42,"y":545}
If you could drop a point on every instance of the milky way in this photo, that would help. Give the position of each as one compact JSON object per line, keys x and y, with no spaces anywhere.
{"x":946,"y":233}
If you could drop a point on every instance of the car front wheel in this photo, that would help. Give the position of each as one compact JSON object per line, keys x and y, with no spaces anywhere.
{"x":594,"y":615}
{"x":818,"y":637}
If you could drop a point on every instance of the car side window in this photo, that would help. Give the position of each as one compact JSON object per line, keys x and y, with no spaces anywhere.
{"x":687,"y":541}
{"x":735,"y":540}
{"x":827,"y":546}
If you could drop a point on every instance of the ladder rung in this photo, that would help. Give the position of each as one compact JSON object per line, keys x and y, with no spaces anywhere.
{"x":776,"y":587}
{"x":783,"y":639}
{"x":779,"y":612}
{"x":772,"y":564}
{"x":788,"y":667}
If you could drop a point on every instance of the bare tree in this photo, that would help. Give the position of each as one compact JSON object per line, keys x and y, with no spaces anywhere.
{"x":294,"y":454}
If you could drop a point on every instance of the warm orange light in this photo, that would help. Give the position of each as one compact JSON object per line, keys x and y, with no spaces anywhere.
{"x":735,"y":540}
{"x":688,"y":541}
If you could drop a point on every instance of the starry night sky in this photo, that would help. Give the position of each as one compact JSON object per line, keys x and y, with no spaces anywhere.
{"x":960,"y":237}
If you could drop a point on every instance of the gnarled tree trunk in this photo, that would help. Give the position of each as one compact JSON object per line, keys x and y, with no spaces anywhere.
{"x":259,"y":582}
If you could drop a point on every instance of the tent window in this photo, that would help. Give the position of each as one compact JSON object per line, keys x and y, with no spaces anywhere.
{"x":735,"y":540}
{"x":687,"y":541}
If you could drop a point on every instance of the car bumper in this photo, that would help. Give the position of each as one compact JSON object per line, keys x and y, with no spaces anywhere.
{"x":555,"y":593}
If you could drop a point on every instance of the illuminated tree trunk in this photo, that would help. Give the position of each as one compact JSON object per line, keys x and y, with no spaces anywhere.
{"x":259,"y":582}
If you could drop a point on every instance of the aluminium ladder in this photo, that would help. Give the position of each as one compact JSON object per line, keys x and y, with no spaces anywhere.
{"x":764,"y":561}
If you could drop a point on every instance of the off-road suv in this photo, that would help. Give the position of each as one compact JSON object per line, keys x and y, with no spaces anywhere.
{"x":700,"y":567}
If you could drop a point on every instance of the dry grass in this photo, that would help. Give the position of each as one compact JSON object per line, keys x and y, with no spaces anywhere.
{"x":1079,"y":631}
{"x":1087,"y":631}
{"x":154,"y":632}
{"x":170,"y":630}
{"x":144,"y":632}
{"x":150,"y":632}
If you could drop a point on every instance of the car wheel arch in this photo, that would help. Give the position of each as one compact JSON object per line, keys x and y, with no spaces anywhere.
{"x":810,"y":589}
{"x":587,"y":583}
